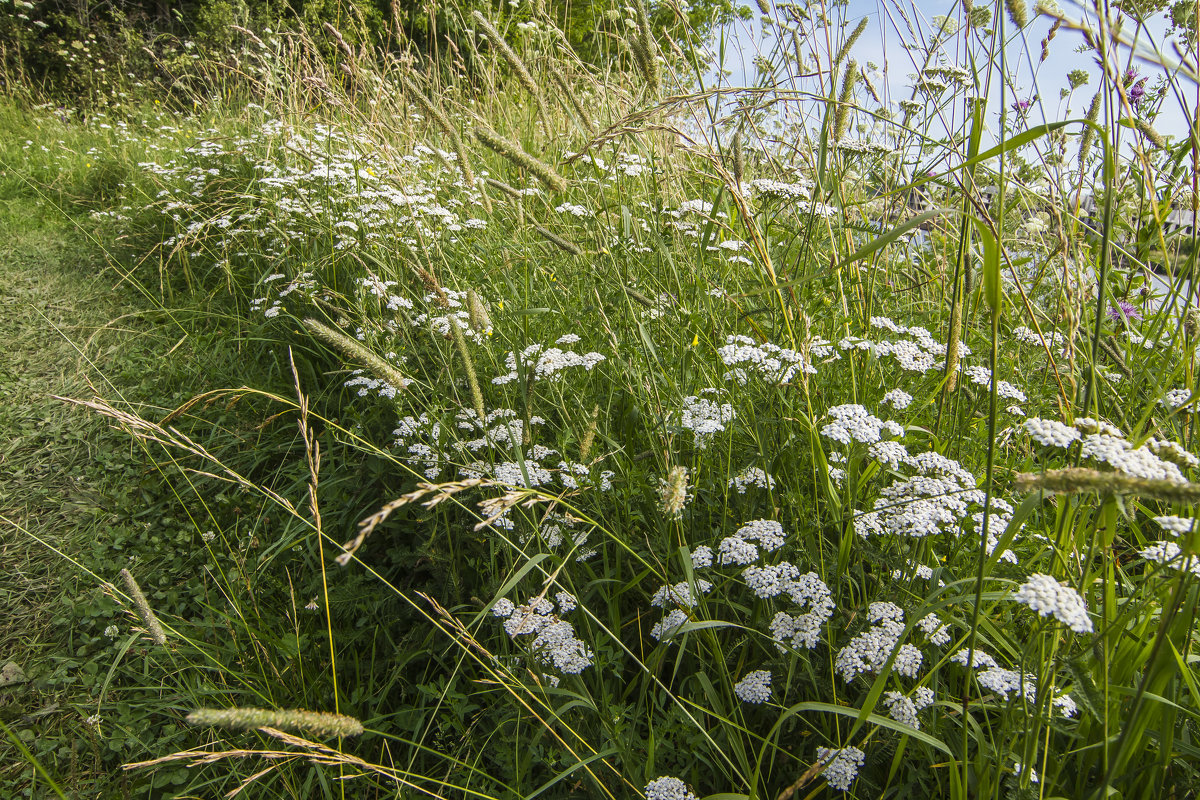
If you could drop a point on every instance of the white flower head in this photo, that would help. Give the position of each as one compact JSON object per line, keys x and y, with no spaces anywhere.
{"x":841,"y":766}
{"x":668,"y":788}
{"x":1045,"y":595}
{"x":755,"y":687}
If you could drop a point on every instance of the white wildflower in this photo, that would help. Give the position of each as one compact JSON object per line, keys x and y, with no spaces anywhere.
{"x":841,"y":766}
{"x":755,"y":687}
{"x":1045,"y":595}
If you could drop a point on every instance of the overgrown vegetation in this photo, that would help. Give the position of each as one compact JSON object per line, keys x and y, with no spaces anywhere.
{"x":582,"y":429}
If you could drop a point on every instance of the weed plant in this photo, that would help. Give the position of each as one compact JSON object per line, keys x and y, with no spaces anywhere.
{"x":651,"y":438}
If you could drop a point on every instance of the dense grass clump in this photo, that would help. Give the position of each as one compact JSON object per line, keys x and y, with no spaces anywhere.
{"x":650,"y":438}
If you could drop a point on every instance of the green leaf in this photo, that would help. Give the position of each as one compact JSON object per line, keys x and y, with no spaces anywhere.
{"x":884,"y":240}
{"x":874,"y":719}
{"x":991,"y":267}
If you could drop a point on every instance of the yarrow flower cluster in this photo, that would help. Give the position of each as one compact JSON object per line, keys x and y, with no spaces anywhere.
{"x":937,"y":499}
{"x":807,"y":591}
{"x":751,"y":476}
{"x":668,"y":788}
{"x":853,"y":423}
{"x":740,"y":548}
{"x":983,"y":377}
{"x":904,"y":709}
{"x":705,"y":418}
{"x":1052,"y":339}
{"x":898,"y":399}
{"x":554,"y":642}
{"x":1176,"y":398}
{"x":774,"y":363}
{"x":1049,"y":432}
{"x":755,"y":687}
{"x":1005,"y":682}
{"x":1170,"y":555}
{"x":458,"y":315}
{"x":841,"y":766}
{"x":869,"y":651}
{"x":787,"y":191}
{"x":545,"y":363}
{"x":1118,"y":453}
{"x":1045,"y":595}
{"x":680,"y":594}
{"x":920,"y":353}
{"x":1176,"y":526}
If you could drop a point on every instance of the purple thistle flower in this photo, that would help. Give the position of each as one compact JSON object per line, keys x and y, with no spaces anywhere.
{"x":1124,"y":311}
{"x":1137,"y":92}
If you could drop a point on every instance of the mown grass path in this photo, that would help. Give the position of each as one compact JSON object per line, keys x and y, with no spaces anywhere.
{"x":68,"y":328}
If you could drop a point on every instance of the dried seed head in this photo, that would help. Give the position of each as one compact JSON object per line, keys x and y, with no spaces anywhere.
{"x":478,"y":311}
{"x":1017,"y":12}
{"x":675,"y":492}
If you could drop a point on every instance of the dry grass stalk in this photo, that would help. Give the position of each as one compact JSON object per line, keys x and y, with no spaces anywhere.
{"x":441,"y":492}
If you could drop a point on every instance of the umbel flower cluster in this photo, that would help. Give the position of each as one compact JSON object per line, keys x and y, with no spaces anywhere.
{"x":550,"y":638}
{"x":1047,"y":596}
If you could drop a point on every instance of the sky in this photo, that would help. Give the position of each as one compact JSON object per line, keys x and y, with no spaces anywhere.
{"x":882,"y":45}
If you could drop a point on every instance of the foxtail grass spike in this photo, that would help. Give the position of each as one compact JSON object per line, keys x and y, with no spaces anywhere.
{"x":149,"y":620}
{"x":841,"y":119}
{"x":1018,"y":12}
{"x":443,"y":122}
{"x":564,"y":87}
{"x":354,"y":349}
{"x":321,"y":724}
{"x":1074,"y":480}
{"x":478,"y":312}
{"x":514,"y":153}
{"x":739,"y":159}
{"x":514,"y":61}
{"x":1148,"y":131}
{"x":647,"y":48}
{"x":764,"y":7}
{"x":850,"y":40}
{"x":589,"y":435}
{"x":504,"y":187}
{"x":1089,"y":133}
{"x":460,"y":342}
{"x":558,"y":241}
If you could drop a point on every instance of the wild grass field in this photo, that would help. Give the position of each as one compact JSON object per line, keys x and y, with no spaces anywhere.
{"x":510,"y":425}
